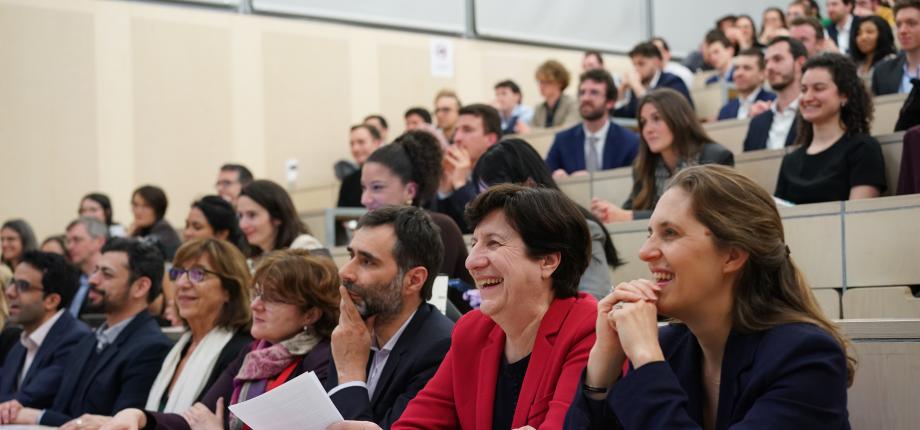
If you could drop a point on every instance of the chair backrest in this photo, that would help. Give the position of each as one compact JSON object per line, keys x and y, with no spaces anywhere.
{"x":708,"y":100}
{"x":880,"y":302}
{"x":728,"y":133}
{"x":887,"y":108}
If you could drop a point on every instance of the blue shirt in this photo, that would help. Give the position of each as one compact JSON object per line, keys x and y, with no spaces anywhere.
{"x":77,"y":303}
{"x":906,"y":86}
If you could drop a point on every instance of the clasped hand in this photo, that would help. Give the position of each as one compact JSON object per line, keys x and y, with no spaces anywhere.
{"x":627,"y":322}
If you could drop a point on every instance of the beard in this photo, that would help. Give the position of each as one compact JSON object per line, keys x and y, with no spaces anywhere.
{"x":590,"y":114}
{"x":381,"y":299}
{"x":785,"y":81}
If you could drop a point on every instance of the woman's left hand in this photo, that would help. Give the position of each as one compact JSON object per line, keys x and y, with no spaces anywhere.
{"x":86,"y":422}
{"x":199,"y":417}
{"x":637,"y":327}
{"x":353,"y":425}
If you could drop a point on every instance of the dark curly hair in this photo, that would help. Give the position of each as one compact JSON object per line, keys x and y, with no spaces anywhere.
{"x":856,"y":114}
{"x":884,"y":45}
{"x":414,"y":157}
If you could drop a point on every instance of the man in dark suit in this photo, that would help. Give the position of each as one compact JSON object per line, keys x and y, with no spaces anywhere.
{"x":893,"y":75}
{"x":749,"y":77}
{"x":85,"y":238}
{"x":596,"y":143}
{"x":113,"y":369}
{"x":38,"y":298}
{"x":720,"y":50}
{"x":844,"y":25}
{"x":775,"y":127}
{"x":479,"y":127}
{"x":646,"y":75}
{"x":389,"y":341}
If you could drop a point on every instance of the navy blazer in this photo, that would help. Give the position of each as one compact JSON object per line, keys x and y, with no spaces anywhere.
{"x":121,"y":377}
{"x":568,"y":149}
{"x":43,"y":378}
{"x":455,"y":204}
{"x":412,"y":362}
{"x":758,"y":132}
{"x":666,"y":80}
{"x":730,"y":110}
{"x":718,"y":77}
{"x":888,"y":74}
{"x":793,"y":376}
{"x":854,"y":28}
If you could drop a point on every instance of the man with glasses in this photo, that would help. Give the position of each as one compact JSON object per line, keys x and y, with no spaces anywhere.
{"x":446,"y":112}
{"x":389,"y":340}
{"x":38,"y":297}
{"x":231,"y":180}
{"x":85,"y":238}
{"x":113,"y":369}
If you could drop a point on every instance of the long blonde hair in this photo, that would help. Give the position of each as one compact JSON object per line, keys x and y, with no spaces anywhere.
{"x":771,"y":289}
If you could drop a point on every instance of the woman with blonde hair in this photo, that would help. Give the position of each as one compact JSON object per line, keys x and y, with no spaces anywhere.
{"x":749,"y":348}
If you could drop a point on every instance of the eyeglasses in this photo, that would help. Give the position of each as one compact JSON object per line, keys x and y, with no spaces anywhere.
{"x":23,"y":286}
{"x":195,"y":274}
{"x":224,"y":183}
{"x":259,"y":293}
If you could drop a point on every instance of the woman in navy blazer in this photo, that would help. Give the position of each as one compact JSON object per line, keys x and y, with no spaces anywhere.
{"x":752,"y":349}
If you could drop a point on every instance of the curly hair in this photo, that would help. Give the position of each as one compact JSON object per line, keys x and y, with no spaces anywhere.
{"x":554,"y":71}
{"x":414,"y":157}
{"x":856,"y":114}
{"x":884,"y":44}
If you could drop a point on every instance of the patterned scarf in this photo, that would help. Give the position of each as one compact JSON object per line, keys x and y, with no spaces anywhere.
{"x":663,"y":175}
{"x":264,"y":362}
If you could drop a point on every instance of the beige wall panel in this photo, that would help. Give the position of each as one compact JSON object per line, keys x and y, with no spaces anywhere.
{"x":182,"y":108}
{"x":887,"y":384}
{"x":47,"y":114}
{"x":406,"y":81}
{"x":307,"y":113}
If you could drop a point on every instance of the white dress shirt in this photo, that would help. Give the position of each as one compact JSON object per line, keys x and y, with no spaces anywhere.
{"x":782,"y":122}
{"x":744,"y":105}
{"x":843,"y":35}
{"x":33,"y":341}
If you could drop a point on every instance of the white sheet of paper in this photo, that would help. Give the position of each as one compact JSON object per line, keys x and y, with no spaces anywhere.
{"x":298,"y":404}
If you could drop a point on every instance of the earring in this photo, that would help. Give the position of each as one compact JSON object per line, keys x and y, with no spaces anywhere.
{"x":408,"y":202}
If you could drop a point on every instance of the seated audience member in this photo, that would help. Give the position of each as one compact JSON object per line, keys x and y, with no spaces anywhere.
{"x":597,"y":143}
{"x":380,"y":123}
{"x":148,"y":204}
{"x":364,"y":140}
{"x":592,"y":60}
{"x":773,"y":24}
{"x":557,"y":108}
{"x":38,"y":298}
{"x":230,"y":181}
{"x":85,"y":239}
{"x":843,"y":25}
{"x":894,"y":75}
{"x":514,"y":114}
{"x":747,"y":33}
{"x":726,"y":25}
{"x":9,"y":333}
{"x":796,"y":9}
{"x":836,"y":158}
{"x":809,"y":31}
{"x":749,"y":78}
{"x":395,"y":255}
{"x":720,"y":50}
{"x":672,"y":67}
{"x":416,"y":118}
{"x":269,"y":220}
{"x":294,"y":307}
{"x":515,"y":362}
{"x":874,"y":44}
{"x":775,"y":128}
{"x":479,"y":127}
{"x":119,"y":363}
{"x":646,"y":75}
{"x":670,"y":139}
{"x":98,"y":205}
{"x":752,"y":349}
{"x":866,"y":8}
{"x":56,"y":244}
{"x":213,"y":217}
{"x":446,"y":111}
{"x":16,"y":238}
{"x":514,"y":161}
{"x":407,"y":172}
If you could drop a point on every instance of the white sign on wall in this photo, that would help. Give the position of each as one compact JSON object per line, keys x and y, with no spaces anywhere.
{"x":442,"y":58}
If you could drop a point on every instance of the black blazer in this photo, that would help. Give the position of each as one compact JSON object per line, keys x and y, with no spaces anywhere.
{"x":44,"y":376}
{"x":759,"y":131}
{"x":854,"y":28}
{"x":121,"y":377}
{"x":413,"y":361}
{"x":666,"y":80}
{"x":350,"y":191}
{"x":793,"y":376}
{"x":454,"y":205}
{"x":887,"y":75}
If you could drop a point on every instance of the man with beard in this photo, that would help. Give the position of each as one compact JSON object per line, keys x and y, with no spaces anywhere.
{"x":597,"y":143}
{"x":85,"y":238}
{"x":114,"y":368}
{"x":748,"y":77}
{"x":389,"y":341}
{"x":775,"y":128}
{"x":646,"y":75}
{"x":38,"y":298}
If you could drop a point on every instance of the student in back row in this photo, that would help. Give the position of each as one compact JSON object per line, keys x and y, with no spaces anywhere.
{"x":775,"y":128}
{"x":647,"y":74}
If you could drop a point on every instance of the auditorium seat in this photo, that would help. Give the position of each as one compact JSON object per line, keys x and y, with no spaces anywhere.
{"x":829,"y":301}
{"x":887,"y":108}
{"x":728,"y":133}
{"x":708,"y":100}
{"x":880,"y":302}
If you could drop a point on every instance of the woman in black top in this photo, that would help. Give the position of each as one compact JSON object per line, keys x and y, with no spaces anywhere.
{"x":836,"y":158}
{"x":148,"y":204}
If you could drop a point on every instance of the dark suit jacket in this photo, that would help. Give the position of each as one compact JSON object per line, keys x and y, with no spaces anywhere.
{"x":121,"y":377}
{"x":759,"y":131}
{"x":412,"y":362}
{"x":793,"y":376}
{"x":462,"y":394}
{"x":454,"y":205}
{"x":350,"y":191}
{"x":44,"y":376}
{"x":666,"y":80}
{"x":316,"y":361}
{"x":730,"y":110}
{"x":854,"y":28}
{"x":568,"y":149}
{"x":887,"y":75}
